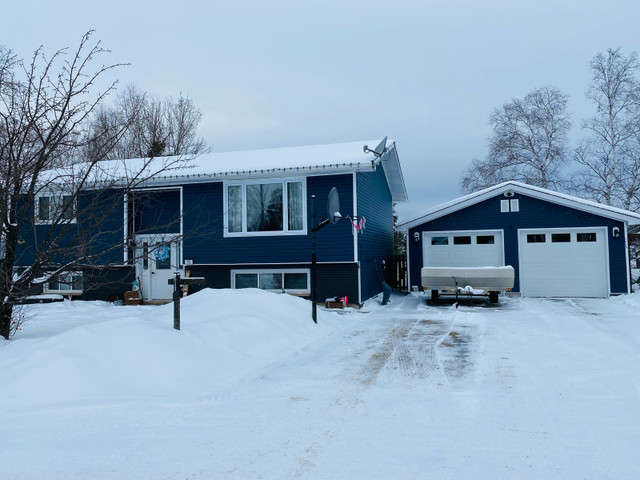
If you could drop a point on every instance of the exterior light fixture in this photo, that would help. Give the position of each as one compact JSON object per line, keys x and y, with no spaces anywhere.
{"x":615,"y":232}
{"x":416,"y":237}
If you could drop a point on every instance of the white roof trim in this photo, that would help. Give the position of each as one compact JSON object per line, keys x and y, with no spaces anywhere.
{"x":524,"y":189}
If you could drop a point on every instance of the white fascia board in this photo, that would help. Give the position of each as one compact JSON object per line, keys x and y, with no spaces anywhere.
{"x":524,"y":189}
{"x":393,"y":174}
{"x":258,"y":174}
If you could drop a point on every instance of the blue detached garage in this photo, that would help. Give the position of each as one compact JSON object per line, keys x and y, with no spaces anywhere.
{"x":558,"y":245}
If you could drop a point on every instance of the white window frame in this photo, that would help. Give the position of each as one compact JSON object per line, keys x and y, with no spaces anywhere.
{"x":281,"y":271}
{"x":53,"y":216}
{"x":70,"y":291}
{"x":512,"y":205}
{"x":285,"y":207}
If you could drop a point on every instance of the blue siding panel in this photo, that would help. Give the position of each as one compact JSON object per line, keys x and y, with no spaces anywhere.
{"x":96,"y":231}
{"x":376,"y":243}
{"x":534,"y":213}
{"x":157,"y":211}
{"x":205,"y":242}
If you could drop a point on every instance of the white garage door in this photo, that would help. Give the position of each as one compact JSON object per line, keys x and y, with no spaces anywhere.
{"x":570,"y":262}
{"x":463,"y":249}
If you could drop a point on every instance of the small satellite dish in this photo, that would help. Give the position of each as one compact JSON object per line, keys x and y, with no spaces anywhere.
{"x":332,"y":214}
{"x":333,"y":206}
{"x":382,"y":146}
{"x":379,"y":150}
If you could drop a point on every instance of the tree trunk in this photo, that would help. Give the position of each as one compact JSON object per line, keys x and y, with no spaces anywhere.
{"x":6,"y":311}
{"x":6,"y":280}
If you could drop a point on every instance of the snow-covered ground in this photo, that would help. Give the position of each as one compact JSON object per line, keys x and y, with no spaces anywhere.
{"x":251,"y":388}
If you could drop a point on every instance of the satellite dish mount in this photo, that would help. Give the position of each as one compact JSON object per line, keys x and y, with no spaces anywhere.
{"x":379,"y":151}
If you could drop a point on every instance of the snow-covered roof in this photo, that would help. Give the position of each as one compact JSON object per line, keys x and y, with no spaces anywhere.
{"x":275,"y":162}
{"x":525,"y":189}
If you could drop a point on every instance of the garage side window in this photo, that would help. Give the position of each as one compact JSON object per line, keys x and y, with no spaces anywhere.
{"x":462,"y":240}
{"x":485,"y":240}
{"x":536,"y":238}
{"x":587,"y":237}
{"x":439,"y":240}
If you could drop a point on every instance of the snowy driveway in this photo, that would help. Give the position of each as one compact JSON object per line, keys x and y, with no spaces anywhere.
{"x":529,"y":389}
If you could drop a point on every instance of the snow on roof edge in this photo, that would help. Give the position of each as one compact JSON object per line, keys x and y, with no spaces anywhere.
{"x":459,"y":203}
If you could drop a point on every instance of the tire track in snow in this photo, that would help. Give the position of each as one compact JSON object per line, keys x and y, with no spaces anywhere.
{"x":427,"y":334}
{"x":413,"y":346}
{"x":376,"y":362}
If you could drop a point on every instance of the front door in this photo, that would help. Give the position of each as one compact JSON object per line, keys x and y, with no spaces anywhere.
{"x":158,"y":257}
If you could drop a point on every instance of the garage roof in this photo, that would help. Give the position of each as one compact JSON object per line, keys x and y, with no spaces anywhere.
{"x":529,"y":190}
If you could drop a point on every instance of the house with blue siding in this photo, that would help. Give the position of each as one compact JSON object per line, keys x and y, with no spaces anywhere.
{"x":558,"y":245}
{"x":244,"y":219}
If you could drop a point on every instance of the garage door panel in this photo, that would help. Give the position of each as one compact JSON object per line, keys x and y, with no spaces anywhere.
{"x":440,"y":249}
{"x":564,"y":268}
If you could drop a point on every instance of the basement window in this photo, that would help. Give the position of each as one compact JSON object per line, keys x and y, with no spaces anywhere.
{"x":65,"y":283}
{"x":294,"y":281}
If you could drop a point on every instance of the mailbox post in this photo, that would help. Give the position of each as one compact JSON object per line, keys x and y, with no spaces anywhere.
{"x":177,"y":283}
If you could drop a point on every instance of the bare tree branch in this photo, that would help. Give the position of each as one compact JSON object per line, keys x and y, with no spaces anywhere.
{"x":608,"y":157}
{"x":527,"y":144}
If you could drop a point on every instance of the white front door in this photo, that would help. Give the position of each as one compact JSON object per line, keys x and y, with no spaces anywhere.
{"x":564,"y":262}
{"x":158,"y":257}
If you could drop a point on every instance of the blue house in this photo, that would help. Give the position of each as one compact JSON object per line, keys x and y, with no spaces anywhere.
{"x":244,"y":219}
{"x":559,"y":245}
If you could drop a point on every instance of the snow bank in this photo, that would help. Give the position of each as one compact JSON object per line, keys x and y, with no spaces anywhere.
{"x":93,"y":351}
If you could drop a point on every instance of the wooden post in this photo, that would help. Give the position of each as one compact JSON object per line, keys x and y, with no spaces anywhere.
{"x":177,"y":293}
{"x":177,"y":283}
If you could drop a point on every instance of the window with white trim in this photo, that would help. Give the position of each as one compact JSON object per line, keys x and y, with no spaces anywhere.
{"x":286,"y":280}
{"x":65,"y":283}
{"x":265,"y":207}
{"x":50,"y":208}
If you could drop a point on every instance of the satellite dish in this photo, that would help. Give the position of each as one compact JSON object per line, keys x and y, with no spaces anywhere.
{"x":379,"y":150}
{"x":382,"y":146}
{"x":332,"y":214}
{"x":333,"y":206}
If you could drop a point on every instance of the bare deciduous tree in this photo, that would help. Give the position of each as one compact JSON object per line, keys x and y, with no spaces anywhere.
{"x":44,"y":106}
{"x":152,"y":127}
{"x":608,"y":156}
{"x":528,"y":142}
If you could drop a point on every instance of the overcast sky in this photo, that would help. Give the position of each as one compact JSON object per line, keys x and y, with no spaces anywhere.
{"x":287,"y":73}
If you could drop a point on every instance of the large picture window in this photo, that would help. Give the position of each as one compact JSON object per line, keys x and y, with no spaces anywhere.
{"x":263,"y":208}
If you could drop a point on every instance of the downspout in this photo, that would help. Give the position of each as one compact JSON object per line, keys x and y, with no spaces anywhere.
{"x":355,"y":236}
